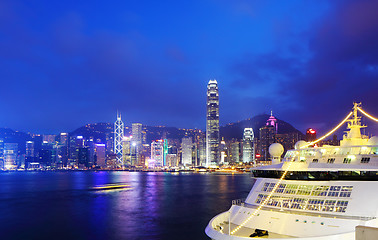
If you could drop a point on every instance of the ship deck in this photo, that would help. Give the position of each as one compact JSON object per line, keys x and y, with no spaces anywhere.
{"x":246,"y":232}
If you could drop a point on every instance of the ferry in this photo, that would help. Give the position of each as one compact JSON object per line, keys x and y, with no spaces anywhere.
{"x":313,"y":193}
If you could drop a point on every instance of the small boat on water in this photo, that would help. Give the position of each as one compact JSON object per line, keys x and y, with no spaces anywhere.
{"x":110,"y":186}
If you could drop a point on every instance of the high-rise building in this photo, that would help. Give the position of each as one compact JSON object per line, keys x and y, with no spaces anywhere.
{"x":248,"y":146}
{"x":63,"y":138}
{"x":235,"y":152}
{"x":310,"y":135}
{"x":267,"y":137}
{"x":10,"y":155}
{"x":29,"y":149}
{"x":272,"y":121}
{"x":50,"y":139}
{"x":157,"y":153}
{"x":1,"y":153}
{"x":212,"y":124}
{"x":100,"y":155}
{"x":118,"y":137}
{"x":137,"y":133}
{"x":126,"y":143}
{"x":187,"y":152}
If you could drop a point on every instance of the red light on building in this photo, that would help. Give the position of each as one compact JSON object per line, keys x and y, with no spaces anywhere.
{"x":258,"y":155}
{"x":310,"y":135}
{"x":311,"y":131}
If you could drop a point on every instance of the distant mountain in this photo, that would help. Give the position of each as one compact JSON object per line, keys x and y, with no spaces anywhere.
{"x":100,"y":130}
{"x":231,"y":130}
{"x":235,"y":130}
{"x":94,"y":130}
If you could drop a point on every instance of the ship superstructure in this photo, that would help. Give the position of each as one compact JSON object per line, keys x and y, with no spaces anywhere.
{"x":312,"y":193}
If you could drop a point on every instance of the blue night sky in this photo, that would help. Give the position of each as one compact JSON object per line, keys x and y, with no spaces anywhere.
{"x":67,"y":63}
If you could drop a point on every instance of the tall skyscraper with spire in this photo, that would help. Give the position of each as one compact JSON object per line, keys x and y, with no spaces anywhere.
{"x":212,"y":124}
{"x":118,"y":138}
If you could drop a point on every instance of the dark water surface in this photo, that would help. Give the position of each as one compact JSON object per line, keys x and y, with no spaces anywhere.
{"x":59,"y":205}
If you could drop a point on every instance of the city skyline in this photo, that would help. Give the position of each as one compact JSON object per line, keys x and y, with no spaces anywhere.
{"x":66,"y":65}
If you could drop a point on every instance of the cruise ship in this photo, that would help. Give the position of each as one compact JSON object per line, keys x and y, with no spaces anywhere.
{"x":313,"y":193}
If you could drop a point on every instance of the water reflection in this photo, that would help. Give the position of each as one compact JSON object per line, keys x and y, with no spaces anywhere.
{"x":58,"y":205}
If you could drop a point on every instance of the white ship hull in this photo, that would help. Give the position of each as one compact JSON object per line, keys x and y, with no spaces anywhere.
{"x":301,"y":221}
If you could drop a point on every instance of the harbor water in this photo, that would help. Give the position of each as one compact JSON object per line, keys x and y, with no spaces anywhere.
{"x":65,"y":205}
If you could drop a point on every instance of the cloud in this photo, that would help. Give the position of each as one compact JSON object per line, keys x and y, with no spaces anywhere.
{"x":320,"y":85}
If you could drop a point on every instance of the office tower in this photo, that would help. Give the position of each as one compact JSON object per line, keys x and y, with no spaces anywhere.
{"x":76,"y":142}
{"x":29,"y":149}
{"x":1,"y":153}
{"x":223,"y":151}
{"x":118,"y":137}
{"x":248,"y":146}
{"x":50,"y":139}
{"x":10,"y":155}
{"x":100,"y":155}
{"x":45,"y":157}
{"x":157,"y":153}
{"x":310,"y":135}
{"x":137,"y":133}
{"x":136,"y":130}
{"x":267,"y":137}
{"x":63,"y":138}
{"x":186,"y":146}
{"x":172,"y":160}
{"x":83,"y":156}
{"x":165,"y":151}
{"x":235,"y":151}
{"x":212,"y":124}
{"x":272,"y":121}
{"x":126,"y":151}
{"x":202,"y":151}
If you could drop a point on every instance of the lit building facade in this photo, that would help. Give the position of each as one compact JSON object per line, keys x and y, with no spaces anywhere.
{"x":100,"y":155}
{"x":118,"y":137}
{"x":136,"y":130}
{"x":157,"y":153}
{"x":10,"y":155}
{"x":1,"y":153}
{"x":212,"y":124}
{"x":187,"y":151}
{"x":248,"y":146}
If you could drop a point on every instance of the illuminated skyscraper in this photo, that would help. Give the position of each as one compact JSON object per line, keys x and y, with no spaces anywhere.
{"x":248,"y":146}
{"x":100,"y":155}
{"x":157,"y":153}
{"x":212,"y":124}
{"x":187,"y":152}
{"x":137,"y":133}
{"x":118,"y":137}
{"x":1,"y":153}
{"x":10,"y":155}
